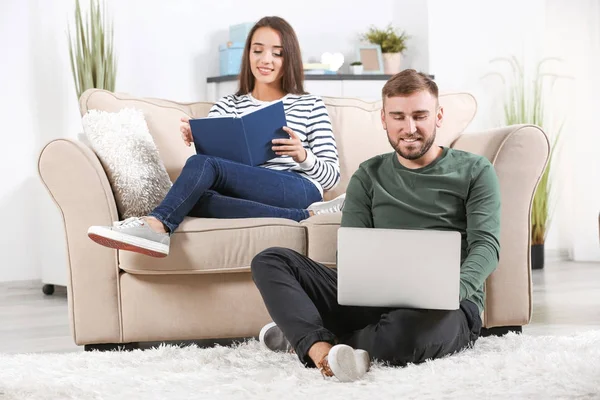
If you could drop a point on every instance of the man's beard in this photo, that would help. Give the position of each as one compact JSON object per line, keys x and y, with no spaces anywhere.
{"x":416,"y":153}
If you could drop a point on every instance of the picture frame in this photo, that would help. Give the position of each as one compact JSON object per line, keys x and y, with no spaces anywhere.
{"x":371,"y":58}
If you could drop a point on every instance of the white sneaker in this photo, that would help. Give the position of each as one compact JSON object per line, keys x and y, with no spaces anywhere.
{"x":331,"y":206}
{"x":273,"y":338}
{"x":132,"y":234}
{"x":347,"y":364}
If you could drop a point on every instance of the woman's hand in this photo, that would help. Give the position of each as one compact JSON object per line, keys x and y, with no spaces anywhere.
{"x":186,"y":132}
{"x":290,"y":147}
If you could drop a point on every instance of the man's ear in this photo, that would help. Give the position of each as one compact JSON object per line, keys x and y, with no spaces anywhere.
{"x":383,"y":118}
{"x":439,"y":118}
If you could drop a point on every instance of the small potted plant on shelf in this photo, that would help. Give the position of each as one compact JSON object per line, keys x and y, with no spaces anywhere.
{"x":356,"y":68}
{"x":393,"y":44}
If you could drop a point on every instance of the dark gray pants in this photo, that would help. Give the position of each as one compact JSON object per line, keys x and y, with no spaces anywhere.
{"x":301,"y":297}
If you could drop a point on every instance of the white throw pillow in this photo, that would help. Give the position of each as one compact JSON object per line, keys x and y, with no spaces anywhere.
{"x":123,"y":144}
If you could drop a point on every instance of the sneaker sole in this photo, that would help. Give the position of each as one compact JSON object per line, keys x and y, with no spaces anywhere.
{"x":263,"y":332}
{"x":347,"y":364}
{"x":115,"y":240}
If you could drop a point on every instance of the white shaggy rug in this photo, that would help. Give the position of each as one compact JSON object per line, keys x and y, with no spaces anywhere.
{"x":510,"y":367}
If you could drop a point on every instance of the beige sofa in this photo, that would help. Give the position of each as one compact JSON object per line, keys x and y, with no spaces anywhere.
{"x":203,"y":289}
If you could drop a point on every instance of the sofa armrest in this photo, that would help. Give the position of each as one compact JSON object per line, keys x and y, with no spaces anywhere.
{"x":519,"y":154}
{"x":78,"y":185}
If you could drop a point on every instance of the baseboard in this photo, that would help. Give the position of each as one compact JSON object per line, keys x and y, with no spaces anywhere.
{"x":22,"y":283}
{"x":557,"y":255}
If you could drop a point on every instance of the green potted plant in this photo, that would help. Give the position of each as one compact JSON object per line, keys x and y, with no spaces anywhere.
{"x":393,"y":45}
{"x":356,"y":68}
{"x":525,"y":104}
{"x":93,"y":60}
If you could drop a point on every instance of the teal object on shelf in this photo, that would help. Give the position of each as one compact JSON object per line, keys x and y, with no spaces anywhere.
{"x":230,"y":58}
{"x":239,"y":32}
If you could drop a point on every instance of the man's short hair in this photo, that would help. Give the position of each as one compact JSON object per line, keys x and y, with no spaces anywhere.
{"x":408,"y":82}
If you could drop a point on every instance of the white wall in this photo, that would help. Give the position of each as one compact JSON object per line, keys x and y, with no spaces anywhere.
{"x":167,"y":49}
{"x":38,"y":104}
{"x":574,"y":34}
{"x":412,"y":16}
{"x":479,"y":32}
{"x":465,"y":35}
{"x":18,"y":211}
{"x":57,"y":113}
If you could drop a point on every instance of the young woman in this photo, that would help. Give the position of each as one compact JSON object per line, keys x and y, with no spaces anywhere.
{"x":288,"y":186}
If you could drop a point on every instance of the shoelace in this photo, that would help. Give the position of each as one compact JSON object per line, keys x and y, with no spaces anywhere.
{"x":130,"y":222}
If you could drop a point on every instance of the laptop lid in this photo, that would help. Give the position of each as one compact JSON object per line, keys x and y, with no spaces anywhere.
{"x":399,"y":268}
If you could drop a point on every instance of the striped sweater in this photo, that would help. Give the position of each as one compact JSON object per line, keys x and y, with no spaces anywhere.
{"x":307,"y":116}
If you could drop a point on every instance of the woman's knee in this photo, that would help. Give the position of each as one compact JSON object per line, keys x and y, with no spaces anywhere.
{"x":198,"y":160}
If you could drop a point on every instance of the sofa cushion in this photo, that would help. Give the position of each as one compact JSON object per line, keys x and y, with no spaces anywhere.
{"x":321,"y":231}
{"x":359,"y":133}
{"x":206,"y":245}
{"x":459,"y":111}
{"x":130,"y":158}
{"x":162,"y":116}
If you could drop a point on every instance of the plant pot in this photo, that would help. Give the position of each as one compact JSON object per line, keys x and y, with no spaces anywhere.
{"x":537,"y":256}
{"x":356,"y":69}
{"x":392,"y":63}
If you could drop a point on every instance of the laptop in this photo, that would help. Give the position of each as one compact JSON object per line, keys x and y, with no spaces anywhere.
{"x":399,"y":268}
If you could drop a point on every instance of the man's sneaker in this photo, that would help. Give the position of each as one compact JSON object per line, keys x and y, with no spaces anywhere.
{"x":132,"y":234}
{"x":273,"y":338}
{"x":330,"y":206}
{"x":345,"y":363}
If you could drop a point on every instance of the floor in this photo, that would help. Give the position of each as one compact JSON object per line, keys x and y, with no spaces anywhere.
{"x":566,"y":299}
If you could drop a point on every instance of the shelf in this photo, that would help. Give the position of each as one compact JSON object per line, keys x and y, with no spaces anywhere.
{"x":366,"y":86}
{"x":324,"y":77}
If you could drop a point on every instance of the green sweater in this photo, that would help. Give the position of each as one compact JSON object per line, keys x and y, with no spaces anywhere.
{"x":459,"y":191}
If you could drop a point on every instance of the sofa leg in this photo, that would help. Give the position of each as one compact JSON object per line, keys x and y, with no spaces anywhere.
{"x":111,"y":346}
{"x":48,"y":289}
{"x":500,"y":330}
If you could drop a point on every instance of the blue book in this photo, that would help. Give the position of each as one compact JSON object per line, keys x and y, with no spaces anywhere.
{"x":245,"y":139}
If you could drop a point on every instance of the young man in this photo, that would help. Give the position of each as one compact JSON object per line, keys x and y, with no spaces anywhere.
{"x":418,"y":186}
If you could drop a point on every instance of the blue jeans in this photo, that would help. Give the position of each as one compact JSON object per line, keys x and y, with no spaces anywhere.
{"x":212,"y":187}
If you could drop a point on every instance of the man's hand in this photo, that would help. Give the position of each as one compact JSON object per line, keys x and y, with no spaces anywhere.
{"x":290,"y":147}
{"x":186,"y":132}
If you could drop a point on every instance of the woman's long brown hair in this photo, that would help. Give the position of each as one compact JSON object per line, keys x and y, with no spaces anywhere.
{"x":292,"y":80}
